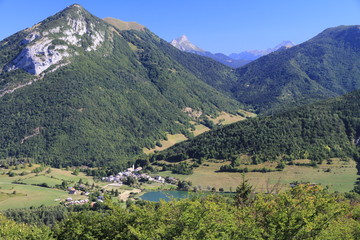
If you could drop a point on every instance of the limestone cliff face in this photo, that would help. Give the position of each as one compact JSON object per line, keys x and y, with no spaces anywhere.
{"x":44,"y":47}
{"x":38,"y":57}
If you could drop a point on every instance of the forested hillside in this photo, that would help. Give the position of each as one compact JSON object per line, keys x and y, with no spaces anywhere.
{"x":318,"y":131}
{"x":327,"y":65}
{"x":76,"y":90}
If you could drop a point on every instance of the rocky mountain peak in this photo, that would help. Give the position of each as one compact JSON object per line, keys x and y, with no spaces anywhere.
{"x":284,"y":44}
{"x":75,"y":6}
{"x":52,"y":41}
{"x":183,"y":39}
{"x":184,"y":44}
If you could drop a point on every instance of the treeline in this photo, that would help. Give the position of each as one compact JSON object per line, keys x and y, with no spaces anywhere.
{"x":38,"y":216}
{"x":229,"y":168}
{"x":319,"y":131}
{"x":303,"y":212}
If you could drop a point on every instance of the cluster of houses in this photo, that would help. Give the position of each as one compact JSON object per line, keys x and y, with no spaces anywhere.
{"x":74,"y":191}
{"x":70,"y":201}
{"x":134,"y":173}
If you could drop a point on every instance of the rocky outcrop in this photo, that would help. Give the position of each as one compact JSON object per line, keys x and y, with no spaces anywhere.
{"x":38,"y":57}
{"x":51,"y":47}
{"x":192,"y":113}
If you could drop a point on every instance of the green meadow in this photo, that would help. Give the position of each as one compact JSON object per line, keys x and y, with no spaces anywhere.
{"x":339,"y":176}
{"x":27,"y":194}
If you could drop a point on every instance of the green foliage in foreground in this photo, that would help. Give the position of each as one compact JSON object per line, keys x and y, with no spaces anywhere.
{"x":303,"y":212}
{"x":42,"y":215}
{"x":323,"y":130}
{"x":11,"y":230}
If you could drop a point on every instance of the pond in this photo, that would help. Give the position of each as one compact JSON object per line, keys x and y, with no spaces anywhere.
{"x":155,"y":196}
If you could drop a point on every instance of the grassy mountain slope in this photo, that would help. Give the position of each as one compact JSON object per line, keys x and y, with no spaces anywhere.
{"x":111,"y":93}
{"x":327,"y":65}
{"x":122,"y":25}
{"x":327,"y":129}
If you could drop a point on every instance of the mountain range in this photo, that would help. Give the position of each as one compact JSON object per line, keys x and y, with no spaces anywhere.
{"x":234,"y":60}
{"x":79,"y":90}
{"x":325,"y":66}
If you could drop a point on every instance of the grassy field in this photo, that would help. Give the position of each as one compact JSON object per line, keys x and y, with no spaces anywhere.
{"x":199,"y":129}
{"x":341,"y":176}
{"x":68,"y":176}
{"x":247,"y":114}
{"x":51,"y":182}
{"x":26,"y":195}
{"x":224,"y":118}
{"x":172,"y":140}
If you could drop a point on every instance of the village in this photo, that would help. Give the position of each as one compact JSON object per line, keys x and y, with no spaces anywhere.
{"x":130,"y":176}
{"x":135,"y":173}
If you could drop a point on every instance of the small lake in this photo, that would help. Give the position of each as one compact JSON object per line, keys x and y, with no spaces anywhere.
{"x":155,"y":196}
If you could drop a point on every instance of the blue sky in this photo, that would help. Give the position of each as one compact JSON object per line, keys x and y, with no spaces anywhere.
{"x":218,"y":26}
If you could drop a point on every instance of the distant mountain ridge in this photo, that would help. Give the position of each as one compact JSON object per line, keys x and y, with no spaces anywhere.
{"x":234,"y":60}
{"x":185,"y":45}
{"x":255,"y":54}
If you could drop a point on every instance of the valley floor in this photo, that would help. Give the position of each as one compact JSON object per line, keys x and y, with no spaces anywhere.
{"x":339,"y":176}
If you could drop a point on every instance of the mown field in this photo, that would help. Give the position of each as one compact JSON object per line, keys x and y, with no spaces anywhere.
{"x":223,"y":119}
{"x":14,"y":195}
{"x":226,"y":118}
{"x":339,"y":176}
{"x":172,"y":140}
